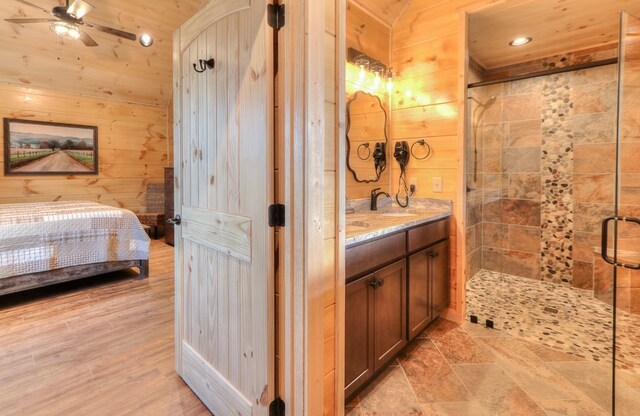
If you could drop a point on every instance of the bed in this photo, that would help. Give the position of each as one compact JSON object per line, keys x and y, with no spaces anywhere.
{"x":52,"y":242}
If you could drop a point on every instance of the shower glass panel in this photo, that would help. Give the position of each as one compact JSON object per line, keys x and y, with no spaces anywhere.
{"x":541,"y":178}
{"x":626,"y":246}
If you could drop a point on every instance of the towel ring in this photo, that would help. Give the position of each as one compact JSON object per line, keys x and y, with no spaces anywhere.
{"x":366,"y":146}
{"x":422,"y":143}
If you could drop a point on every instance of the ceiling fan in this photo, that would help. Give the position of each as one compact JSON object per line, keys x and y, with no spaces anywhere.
{"x":66,"y":21}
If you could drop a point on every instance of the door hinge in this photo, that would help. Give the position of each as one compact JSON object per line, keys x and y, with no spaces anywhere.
{"x":276,"y":215}
{"x":276,"y":408}
{"x":276,"y":15}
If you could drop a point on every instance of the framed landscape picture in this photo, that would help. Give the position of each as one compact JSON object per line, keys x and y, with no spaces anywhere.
{"x":45,"y":148}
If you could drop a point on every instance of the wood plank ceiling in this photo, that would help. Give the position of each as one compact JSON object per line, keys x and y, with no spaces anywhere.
{"x":556,"y":26}
{"x":387,"y":11}
{"x":119,"y":69}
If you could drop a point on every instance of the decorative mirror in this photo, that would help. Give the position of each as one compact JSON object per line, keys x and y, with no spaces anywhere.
{"x":366,"y":137}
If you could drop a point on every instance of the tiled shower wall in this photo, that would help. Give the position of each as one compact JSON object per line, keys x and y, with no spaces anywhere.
{"x":545,"y":178}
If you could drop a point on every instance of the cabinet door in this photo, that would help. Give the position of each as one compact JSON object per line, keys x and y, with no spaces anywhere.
{"x":419,"y":304}
{"x":359,"y":333}
{"x":439,"y":254}
{"x":390,"y":313}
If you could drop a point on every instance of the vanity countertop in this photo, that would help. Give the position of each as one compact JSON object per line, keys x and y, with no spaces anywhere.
{"x":363,"y":224}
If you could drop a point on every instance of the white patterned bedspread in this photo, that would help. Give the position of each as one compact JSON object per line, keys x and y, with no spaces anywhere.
{"x":38,"y":237}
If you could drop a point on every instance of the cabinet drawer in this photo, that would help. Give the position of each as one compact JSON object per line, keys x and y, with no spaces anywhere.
{"x":371,"y":255}
{"x":428,"y":234}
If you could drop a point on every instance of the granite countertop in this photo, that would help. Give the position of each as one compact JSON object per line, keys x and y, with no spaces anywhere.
{"x":363,"y":224}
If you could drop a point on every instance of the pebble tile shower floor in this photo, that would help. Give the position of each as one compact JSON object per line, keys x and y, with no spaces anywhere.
{"x":560,"y":317}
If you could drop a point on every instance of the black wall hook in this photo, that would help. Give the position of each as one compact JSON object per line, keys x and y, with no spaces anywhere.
{"x":204,"y":65}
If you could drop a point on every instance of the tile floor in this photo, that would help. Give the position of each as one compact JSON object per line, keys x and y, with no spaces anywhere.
{"x":558,"y":316}
{"x":469,"y":370}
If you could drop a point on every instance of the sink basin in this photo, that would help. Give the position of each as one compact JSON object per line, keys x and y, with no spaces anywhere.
{"x":358,"y":224}
{"x":398,"y":214}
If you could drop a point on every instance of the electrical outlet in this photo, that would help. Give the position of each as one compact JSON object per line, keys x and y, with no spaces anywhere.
{"x":437,"y":184}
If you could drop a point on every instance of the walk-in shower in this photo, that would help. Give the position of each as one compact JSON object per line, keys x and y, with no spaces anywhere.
{"x":552,"y":150}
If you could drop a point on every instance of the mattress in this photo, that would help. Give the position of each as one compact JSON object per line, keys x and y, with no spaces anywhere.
{"x":38,"y":237}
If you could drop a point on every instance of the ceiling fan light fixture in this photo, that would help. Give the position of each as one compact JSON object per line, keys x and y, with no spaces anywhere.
{"x":146,"y":40}
{"x":65,"y":30}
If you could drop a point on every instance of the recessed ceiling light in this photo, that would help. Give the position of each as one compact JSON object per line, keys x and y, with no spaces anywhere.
{"x":520,"y":41}
{"x":146,"y":40}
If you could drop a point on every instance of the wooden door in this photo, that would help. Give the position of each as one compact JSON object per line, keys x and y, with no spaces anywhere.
{"x":359,"y":331}
{"x":439,"y":255}
{"x":389,"y":312}
{"x":419,"y":296}
{"x":224,"y":185}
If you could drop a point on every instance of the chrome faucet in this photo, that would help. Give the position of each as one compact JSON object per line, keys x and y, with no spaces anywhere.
{"x":374,"y":198}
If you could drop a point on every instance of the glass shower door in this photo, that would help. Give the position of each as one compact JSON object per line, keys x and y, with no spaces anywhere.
{"x":622,"y":248}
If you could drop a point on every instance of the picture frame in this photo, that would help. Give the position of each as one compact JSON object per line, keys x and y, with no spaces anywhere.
{"x":34,"y":147}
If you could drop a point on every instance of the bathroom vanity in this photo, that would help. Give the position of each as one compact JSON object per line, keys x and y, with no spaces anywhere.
{"x":397,"y":283}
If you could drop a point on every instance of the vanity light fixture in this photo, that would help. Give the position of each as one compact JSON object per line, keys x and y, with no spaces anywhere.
{"x":520,"y":41}
{"x":363,"y":64}
{"x":378,"y":71}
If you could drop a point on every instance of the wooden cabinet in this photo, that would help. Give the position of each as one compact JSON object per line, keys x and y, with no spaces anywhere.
{"x":428,"y":292}
{"x":358,"y":327}
{"x":375,"y":323}
{"x":396,"y":286}
{"x":439,"y":255}
{"x":168,"y":205}
{"x":389,"y":312}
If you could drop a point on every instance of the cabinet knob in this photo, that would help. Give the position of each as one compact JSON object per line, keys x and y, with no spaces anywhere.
{"x":433,"y":254}
{"x":376,"y":283}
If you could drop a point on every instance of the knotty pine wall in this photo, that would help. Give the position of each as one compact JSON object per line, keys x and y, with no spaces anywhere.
{"x":133,"y":148}
{"x":425,"y":55}
{"x":330,"y":235}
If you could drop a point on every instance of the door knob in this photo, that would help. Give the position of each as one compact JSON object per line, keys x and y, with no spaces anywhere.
{"x":175,"y":220}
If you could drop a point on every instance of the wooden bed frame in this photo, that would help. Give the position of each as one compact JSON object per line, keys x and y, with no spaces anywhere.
{"x":34,"y":280}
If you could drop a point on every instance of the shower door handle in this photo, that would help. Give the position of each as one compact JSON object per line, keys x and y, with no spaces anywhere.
{"x":605,"y":241}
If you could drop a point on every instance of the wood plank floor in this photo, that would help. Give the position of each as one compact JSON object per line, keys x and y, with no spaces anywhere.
{"x":99,"y":346}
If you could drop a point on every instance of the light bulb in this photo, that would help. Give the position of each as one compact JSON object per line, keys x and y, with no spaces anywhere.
{"x":363,"y":64}
{"x":390,"y":81}
{"x":376,"y":81}
{"x":73,"y":33}
{"x":61,"y":29}
{"x":146,"y":40}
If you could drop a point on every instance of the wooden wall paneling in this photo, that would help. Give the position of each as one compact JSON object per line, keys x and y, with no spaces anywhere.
{"x":341,"y":193}
{"x":132,"y":143}
{"x":434,"y":55}
{"x":428,"y":88}
{"x":301,"y":103}
{"x":429,"y":42}
{"x":367,"y":34}
{"x":115,"y":70}
{"x":329,"y":224}
{"x":386,"y":11}
{"x":425,"y":121}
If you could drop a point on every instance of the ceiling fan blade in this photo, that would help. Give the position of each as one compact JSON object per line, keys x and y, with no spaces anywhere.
{"x":86,"y":39}
{"x":21,"y":21}
{"x":79,"y":8}
{"x":34,"y":6}
{"x":111,"y":31}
